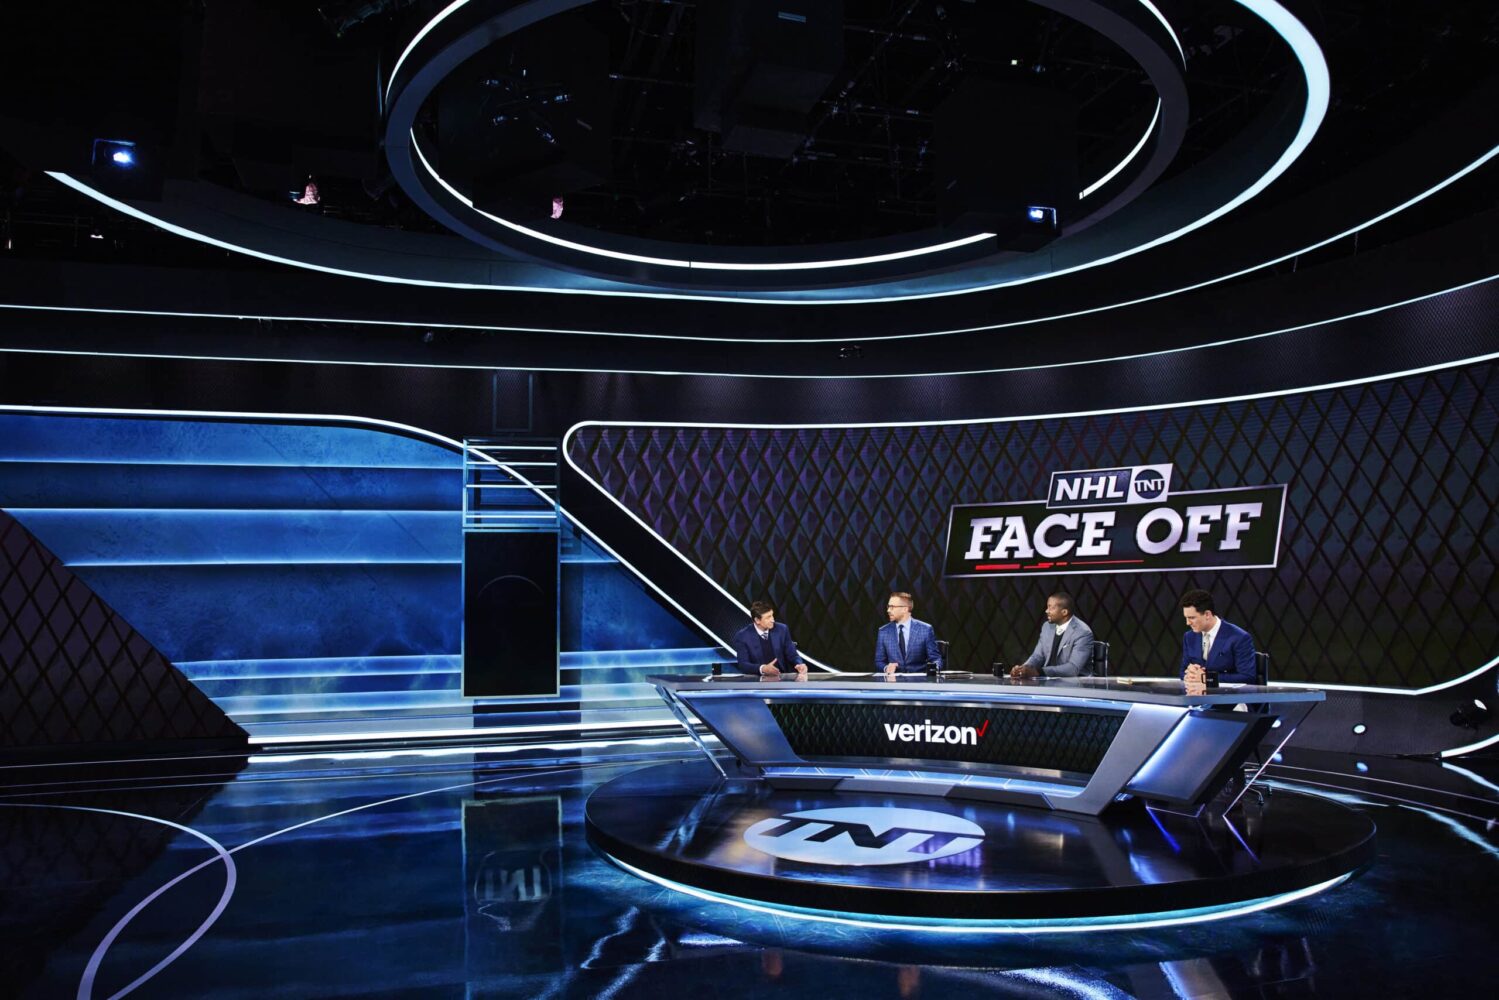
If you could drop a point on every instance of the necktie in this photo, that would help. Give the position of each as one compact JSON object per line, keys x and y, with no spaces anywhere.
{"x":901,"y":631}
{"x":1056,"y":647}
{"x":1207,"y":644}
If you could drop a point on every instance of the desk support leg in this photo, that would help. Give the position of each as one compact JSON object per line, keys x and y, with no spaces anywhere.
{"x":1290,"y":722}
{"x":681,"y":714}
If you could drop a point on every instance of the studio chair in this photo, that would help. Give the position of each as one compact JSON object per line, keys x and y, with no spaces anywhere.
{"x":942,"y":653}
{"x":1262,"y":669}
{"x":1098,"y":660}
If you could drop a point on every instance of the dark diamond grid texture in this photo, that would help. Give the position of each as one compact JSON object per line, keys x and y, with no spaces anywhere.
{"x":1387,"y":555}
{"x":73,"y":671}
{"x":1061,"y":741}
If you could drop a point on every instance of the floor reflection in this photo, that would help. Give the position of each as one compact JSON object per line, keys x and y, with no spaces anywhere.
{"x":472,"y":878}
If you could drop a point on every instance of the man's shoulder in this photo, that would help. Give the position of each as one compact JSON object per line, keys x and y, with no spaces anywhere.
{"x":746,"y":632}
{"x":1229,"y":628}
{"x":917,"y":623}
{"x":1081,"y":626}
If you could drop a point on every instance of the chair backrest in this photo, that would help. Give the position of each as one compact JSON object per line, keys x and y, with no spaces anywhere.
{"x":1262,"y":668}
{"x":1098,"y":660}
{"x":942,"y":648}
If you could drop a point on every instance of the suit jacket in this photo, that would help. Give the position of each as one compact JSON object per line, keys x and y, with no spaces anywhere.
{"x":747,"y":648}
{"x":1074,"y":656}
{"x":921,"y":647}
{"x":1232,"y":655}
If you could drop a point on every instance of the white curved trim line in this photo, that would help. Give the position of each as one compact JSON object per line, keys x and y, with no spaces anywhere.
{"x":701,"y":265}
{"x":1301,"y":42}
{"x":1372,"y":310}
{"x":231,"y":879}
{"x":567,"y":457}
{"x":729,"y":266}
{"x":1144,"y":922}
{"x":177,"y":230}
{"x":1470,"y":748}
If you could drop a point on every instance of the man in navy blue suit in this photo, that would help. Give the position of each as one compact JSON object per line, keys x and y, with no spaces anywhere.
{"x":904,"y":644}
{"x":1212,"y":644}
{"x":765,"y":647}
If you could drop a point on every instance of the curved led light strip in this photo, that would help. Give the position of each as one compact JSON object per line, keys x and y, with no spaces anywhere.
{"x":1301,"y":42}
{"x":668,"y":262}
{"x":231,"y":879}
{"x":1144,"y":921}
{"x":1246,"y":397}
{"x":625,"y":371}
{"x":1470,"y":748}
{"x":1149,"y":131}
{"x":731,"y":266}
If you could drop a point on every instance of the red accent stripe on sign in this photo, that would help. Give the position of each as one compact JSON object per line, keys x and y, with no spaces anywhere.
{"x":984,"y":566}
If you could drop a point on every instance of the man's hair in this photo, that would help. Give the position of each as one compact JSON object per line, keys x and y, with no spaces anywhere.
{"x":758,"y":609}
{"x":903,"y":596}
{"x":1063,"y":598}
{"x":1199,"y":599}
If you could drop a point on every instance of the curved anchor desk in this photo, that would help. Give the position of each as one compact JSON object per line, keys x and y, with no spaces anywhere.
{"x":1073,"y":745}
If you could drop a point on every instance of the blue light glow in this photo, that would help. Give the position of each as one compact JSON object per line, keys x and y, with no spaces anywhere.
{"x":123,"y":157}
{"x":1081,"y":925}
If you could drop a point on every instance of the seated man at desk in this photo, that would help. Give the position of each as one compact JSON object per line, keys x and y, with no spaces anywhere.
{"x":1212,"y":644}
{"x":1065,"y":646}
{"x":903,"y":644}
{"x":764,"y":646}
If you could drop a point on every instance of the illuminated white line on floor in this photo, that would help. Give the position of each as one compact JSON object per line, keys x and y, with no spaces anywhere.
{"x":231,"y":879}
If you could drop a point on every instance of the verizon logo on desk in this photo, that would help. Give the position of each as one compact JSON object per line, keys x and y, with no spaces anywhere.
{"x":907,"y":732}
{"x":1123,"y":520}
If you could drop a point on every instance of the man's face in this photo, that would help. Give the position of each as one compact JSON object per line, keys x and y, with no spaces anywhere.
{"x":1199,"y":621}
{"x":766,"y":621}
{"x":1056,"y":613}
{"x":897,"y":610}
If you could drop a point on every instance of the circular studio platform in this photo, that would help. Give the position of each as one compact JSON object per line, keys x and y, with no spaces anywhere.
{"x":922,"y":859}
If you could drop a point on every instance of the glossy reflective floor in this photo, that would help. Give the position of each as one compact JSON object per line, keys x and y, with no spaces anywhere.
{"x":468,"y":875}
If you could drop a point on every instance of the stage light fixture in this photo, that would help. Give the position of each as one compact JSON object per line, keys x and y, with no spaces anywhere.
{"x":1361,"y":767}
{"x":1470,"y":715}
{"x":1041,"y":214}
{"x":1359,"y":729}
{"x":118,"y":153}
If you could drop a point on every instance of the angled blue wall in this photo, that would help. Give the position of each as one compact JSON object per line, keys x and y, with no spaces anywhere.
{"x":307,"y":577}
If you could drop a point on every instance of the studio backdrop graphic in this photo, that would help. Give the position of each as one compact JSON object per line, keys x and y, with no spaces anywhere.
{"x":1383,"y":567}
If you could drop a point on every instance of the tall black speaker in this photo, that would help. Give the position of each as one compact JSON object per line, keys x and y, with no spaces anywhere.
{"x":510,"y":614}
{"x":1001,"y":151}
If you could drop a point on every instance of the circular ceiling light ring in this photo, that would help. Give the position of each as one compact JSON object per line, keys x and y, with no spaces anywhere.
{"x":466,"y":27}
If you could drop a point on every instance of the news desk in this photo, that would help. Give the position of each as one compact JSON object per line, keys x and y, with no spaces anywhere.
{"x":1068,"y":744}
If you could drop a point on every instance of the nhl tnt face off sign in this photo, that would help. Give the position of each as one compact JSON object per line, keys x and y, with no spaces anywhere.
{"x":1123,"y":520}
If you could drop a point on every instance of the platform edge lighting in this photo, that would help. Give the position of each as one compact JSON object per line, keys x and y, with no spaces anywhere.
{"x":1083,"y":925}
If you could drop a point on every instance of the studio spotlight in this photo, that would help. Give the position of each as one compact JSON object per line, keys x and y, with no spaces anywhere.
{"x":118,"y":153}
{"x":1471,"y":715}
{"x":1360,"y":729}
{"x":1040,"y":215}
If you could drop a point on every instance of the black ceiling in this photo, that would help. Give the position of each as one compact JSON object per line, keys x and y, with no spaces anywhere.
{"x":253,"y":98}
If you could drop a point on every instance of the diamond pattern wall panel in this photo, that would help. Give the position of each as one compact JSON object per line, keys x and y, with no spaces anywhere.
{"x":72,"y":671}
{"x":1387,"y":556}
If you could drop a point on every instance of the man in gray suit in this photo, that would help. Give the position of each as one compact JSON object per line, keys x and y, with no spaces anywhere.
{"x":1065,"y":646}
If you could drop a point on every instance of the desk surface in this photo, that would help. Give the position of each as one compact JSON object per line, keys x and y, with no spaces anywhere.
{"x":985,"y":687}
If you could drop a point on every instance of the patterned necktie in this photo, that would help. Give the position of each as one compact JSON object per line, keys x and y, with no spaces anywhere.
{"x":901,"y":631}
{"x":1207,"y":644}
